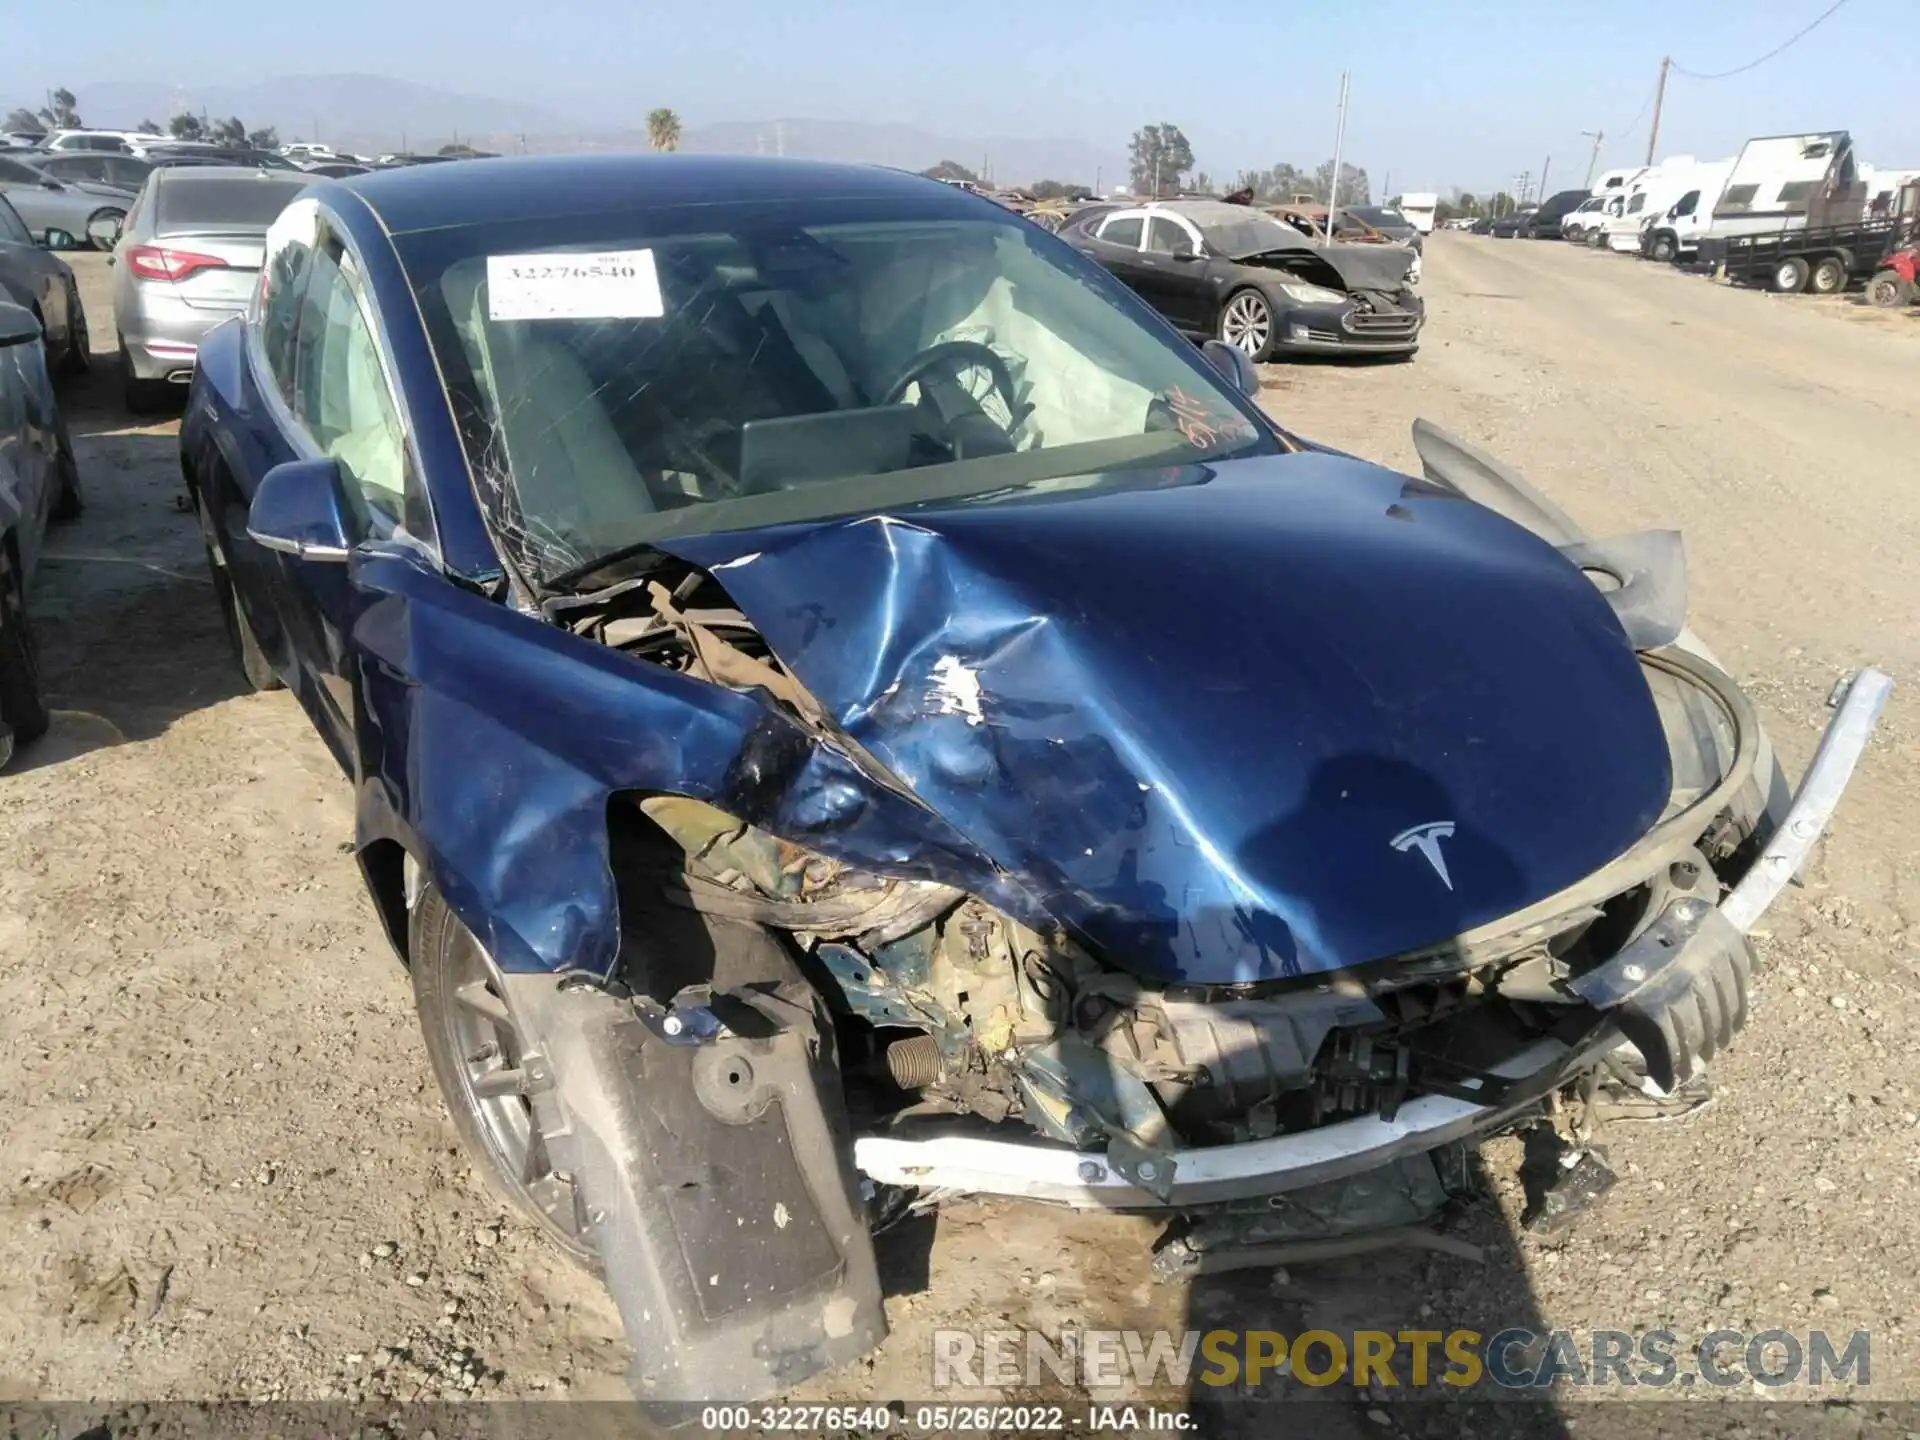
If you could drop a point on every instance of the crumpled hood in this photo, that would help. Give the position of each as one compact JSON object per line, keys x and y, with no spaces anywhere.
{"x":1361,"y":266}
{"x":1276,"y":717}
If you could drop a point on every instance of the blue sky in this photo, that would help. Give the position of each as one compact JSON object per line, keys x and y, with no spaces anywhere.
{"x":1445,"y":92}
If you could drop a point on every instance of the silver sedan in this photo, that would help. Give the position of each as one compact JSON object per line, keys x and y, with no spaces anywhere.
{"x":189,"y":258}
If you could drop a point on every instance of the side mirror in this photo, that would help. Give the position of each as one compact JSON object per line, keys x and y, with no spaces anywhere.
{"x":47,"y":182}
{"x":60,"y":240}
{"x":1187,"y":255}
{"x":301,"y":509}
{"x":1232,"y":362}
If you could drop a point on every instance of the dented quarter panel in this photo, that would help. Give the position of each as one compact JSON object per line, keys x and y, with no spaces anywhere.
{"x":1192,"y":716}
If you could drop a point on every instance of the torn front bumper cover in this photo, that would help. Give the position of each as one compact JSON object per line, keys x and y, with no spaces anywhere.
{"x":1678,"y":993}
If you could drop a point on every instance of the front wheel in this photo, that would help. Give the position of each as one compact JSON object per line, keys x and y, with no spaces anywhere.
{"x":142,"y":397}
{"x":67,"y":500}
{"x":103,"y":227}
{"x":1829,"y":277}
{"x":1663,"y":248}
{"x":1890,"y":290}
{"x":1789,"y":276}
{"x":23,"y":715}
{"x":477,"y":1051}
{"x":1246,"y":323}
{"x":240,"y":634}
{"x":1596,"y":238}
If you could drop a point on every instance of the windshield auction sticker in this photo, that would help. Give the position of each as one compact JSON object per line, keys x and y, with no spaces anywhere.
{"x":610,"y":285}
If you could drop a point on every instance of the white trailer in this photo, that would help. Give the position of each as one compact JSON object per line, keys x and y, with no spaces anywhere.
{"x":1779,"y":180}
{"x":1612,"y":182}
{"x":1419,"y":209}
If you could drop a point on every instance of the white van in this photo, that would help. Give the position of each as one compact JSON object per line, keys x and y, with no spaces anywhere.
{"x":1589,"y":212}
{"x":1648,"y":196}
{"x":1419,"y":210}
{"x":1674,"y":234}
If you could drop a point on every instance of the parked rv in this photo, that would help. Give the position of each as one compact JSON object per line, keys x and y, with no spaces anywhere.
{"x":1648,"y":197}
{"x":1675,"y":234}
{"x":1614,"y":182}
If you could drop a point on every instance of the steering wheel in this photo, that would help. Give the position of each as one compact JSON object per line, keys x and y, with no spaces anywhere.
{"x":959,"y":354}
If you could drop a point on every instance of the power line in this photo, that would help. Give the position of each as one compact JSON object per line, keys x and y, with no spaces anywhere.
{"x":1790,"y":41}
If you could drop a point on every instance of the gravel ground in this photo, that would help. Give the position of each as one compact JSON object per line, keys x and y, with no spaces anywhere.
{"x":226,"y":1173}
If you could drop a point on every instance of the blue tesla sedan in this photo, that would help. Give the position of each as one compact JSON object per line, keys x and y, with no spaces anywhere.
{"x":844,"y":702}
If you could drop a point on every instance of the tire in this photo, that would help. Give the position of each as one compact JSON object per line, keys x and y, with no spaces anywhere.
{"x":23,"y":714}
{"x":79,"y":357}
{"x":68,"y":502}
{"x":1665,"y":247}
{"x":1596,"y":238}
{"x":1789,"y":277}
{"x":1890,"y":290}
{"x":98,"y":220}
{"x":470,"y":1035}
{"x":1829,"y":276}
{"x":254,"y":664}
{"x":1246,"y":323}
{"x":141,"y":397}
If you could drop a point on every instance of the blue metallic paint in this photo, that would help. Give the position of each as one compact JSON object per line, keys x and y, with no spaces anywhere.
{"x":1191,"y":715}
{"x":1205,"y":701}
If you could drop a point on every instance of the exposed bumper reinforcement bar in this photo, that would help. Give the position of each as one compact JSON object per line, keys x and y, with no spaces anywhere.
{"x":1679,"y":992}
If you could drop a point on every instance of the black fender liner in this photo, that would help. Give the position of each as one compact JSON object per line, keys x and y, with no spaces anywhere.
{"x":710,"y":1149}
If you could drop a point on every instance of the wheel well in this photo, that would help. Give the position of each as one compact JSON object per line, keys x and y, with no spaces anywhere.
{"x":383,"y":864}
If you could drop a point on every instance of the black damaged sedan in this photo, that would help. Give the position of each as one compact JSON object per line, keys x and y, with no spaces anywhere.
{"x":1227,"y":271}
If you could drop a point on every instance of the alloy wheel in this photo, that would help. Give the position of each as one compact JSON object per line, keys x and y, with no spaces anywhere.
{"x":1247,"y":324}
{"x":495,"y":1084}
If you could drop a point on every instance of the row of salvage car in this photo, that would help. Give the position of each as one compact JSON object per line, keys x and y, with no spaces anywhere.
{"x":847,"y":707}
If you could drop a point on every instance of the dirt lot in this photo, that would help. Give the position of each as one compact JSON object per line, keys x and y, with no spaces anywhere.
{"x":225,"y":1171}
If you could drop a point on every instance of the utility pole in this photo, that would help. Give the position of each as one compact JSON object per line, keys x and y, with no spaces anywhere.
{"x":1386,"y":188}
{"x":1545,"y":166}
{"x":1659,"y":95}
{"x":1520,"y":187}
{"x":1096,"y":181}
{"x":1593,"y":159}
{"x":1339,"y":145}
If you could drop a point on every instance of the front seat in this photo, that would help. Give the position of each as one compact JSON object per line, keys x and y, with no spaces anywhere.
{"x":576,"y":481}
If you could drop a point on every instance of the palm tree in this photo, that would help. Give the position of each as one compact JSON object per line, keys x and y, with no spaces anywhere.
{"x":663,"y":129}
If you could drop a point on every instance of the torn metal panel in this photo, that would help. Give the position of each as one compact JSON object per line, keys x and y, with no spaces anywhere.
{"x":511,"y":737}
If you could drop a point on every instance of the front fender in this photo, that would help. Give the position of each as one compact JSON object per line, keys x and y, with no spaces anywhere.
{"x":491,"y":745}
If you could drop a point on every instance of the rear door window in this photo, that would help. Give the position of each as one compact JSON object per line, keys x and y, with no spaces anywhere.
{"x":1125,"y":233}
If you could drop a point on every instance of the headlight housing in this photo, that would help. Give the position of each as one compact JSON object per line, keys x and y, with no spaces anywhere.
{"x":1305,"y":294}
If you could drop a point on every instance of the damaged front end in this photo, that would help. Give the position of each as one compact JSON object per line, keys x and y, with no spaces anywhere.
{"x":1027,"y":881}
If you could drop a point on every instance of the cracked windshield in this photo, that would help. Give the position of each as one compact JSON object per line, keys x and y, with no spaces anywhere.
{"x":781,"y":370}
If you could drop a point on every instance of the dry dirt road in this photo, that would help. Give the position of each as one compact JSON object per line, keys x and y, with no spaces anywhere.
{"x":225,"y":1171}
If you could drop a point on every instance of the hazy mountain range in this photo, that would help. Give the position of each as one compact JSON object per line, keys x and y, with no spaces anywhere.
{"x":372,"y":113}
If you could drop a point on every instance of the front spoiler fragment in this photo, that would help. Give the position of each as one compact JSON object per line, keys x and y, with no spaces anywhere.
{"x":1678,"y":993}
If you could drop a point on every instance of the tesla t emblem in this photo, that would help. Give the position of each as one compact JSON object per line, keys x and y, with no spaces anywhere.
{"x":1426,"y":839}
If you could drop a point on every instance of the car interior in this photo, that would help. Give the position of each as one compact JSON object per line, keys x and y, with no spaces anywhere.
{"x":792,"y":358}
